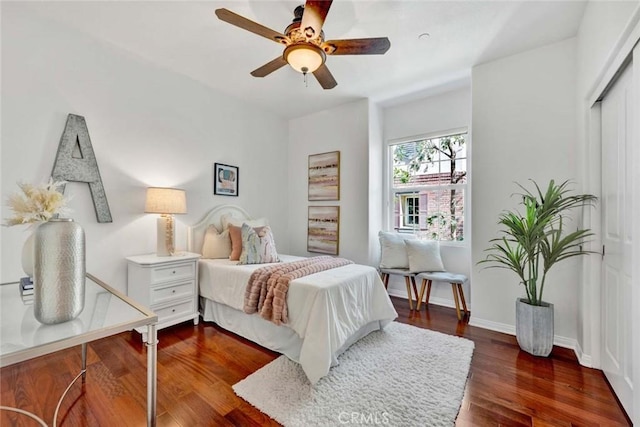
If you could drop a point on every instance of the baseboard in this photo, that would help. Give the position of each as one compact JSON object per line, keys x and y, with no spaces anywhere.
{"x":583,"y":359}
{"x":558,"y":340}
{"x":565,"y":342}
{"x":492,"y":326}
{"x":505,"y":328}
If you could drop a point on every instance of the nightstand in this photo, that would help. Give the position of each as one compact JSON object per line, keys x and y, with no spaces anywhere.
{"x":167,"y":285}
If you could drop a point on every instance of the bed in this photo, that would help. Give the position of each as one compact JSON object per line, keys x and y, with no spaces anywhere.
{"x":328,"y":311}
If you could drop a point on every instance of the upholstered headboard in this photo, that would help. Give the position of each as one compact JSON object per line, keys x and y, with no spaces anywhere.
{"x":195,"y":233}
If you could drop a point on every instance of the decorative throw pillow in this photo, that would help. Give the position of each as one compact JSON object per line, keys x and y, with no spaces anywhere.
{"x":258,"y":246}
{"x":424,"y":255}
{"x":234,"y":225}
{"x":235,"y":234}
{"x":216,"y":245}
{"x":394,"y":254}
{"x":227,"y":219}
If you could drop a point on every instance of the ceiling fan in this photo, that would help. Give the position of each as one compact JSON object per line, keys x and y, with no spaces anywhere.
{"x":305,"y":48}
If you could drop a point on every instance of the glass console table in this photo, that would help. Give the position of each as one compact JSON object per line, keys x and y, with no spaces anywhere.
{"x":106,"y":312}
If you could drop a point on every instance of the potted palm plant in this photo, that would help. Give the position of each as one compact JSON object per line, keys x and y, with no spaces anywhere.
{"x":531,"y":243}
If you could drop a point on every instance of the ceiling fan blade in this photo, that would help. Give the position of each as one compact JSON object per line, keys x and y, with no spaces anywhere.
{"x":371,"y":46}
{"x":325,"y":78}
{"x":249,"y":25}
{"x":269,"y":67}
{"x":315,"y":12}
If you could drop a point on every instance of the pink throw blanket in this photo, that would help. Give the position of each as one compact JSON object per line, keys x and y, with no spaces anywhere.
{"x":267,"y":289}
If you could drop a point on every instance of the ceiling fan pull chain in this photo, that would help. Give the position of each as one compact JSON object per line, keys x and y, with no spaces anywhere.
{"x":304,"y":74}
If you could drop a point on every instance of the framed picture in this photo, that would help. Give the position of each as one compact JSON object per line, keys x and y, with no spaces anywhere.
{"x":324,"y":176}
{"x":225,"y":179}
{"x":323,"y":230}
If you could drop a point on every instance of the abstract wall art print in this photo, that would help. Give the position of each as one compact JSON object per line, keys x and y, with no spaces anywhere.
{"x":324,"y":176}
{"x":323,"y":232}
{"x":225,"y":180}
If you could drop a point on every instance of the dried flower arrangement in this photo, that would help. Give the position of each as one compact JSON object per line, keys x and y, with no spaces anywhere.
{"x":37,"y":203}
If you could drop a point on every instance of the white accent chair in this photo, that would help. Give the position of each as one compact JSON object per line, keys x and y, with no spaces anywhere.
{"x":456,"y":280}
{"x":394,"y":261}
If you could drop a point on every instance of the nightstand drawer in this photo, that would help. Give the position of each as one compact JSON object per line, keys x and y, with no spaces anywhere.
{"x":182,"y":290}
{"x":180,"y":309}
{"x":168,"y":285}
{"x":169,"y":273}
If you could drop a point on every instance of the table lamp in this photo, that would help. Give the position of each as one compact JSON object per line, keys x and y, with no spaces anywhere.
{"x":166,"y":202}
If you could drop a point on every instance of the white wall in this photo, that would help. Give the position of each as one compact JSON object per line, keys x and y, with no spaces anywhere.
{"x":600,"y":32}
{"x":376,"y":179}
{"x":148,"y":126}
{"x":601,"y":41}
{"x":344,"y":128}
{"x":524,"y":127}
{"x":441,"y":112}
{"x":359,"y":131}
{"x":602,"y":25}
{"x":444,"y":111}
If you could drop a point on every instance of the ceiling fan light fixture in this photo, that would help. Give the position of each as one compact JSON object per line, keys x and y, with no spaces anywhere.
{"x":304,"y":58}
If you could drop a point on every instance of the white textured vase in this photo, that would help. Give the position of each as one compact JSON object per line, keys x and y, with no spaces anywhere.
{"x":27,"y":255}
{"x":59,"y":271}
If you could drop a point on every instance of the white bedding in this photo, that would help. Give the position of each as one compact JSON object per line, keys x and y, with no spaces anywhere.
{"x":326,"y":309}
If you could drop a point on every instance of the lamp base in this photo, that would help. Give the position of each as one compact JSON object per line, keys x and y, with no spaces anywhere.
{"x":166,"y":240}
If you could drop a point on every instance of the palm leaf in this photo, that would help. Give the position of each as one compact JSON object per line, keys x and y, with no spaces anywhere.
{"x":536,"y":238}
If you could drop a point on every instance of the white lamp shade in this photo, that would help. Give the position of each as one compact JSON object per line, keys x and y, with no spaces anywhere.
{"x":166,"y":201}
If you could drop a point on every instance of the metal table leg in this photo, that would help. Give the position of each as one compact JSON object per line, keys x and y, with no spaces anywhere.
{"x":152,"y":342}
{"x":84,"y":361}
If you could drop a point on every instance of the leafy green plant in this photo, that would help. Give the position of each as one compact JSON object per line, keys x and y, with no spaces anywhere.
{"x":535,"y":241}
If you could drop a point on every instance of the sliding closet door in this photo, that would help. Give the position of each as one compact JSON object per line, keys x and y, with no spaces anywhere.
{"x":617,"y":218}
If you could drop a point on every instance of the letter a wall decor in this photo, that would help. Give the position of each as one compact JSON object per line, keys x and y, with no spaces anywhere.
{"x":76,"y":162}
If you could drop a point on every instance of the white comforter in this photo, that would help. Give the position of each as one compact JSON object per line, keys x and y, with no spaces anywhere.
{"x":325,"y":309}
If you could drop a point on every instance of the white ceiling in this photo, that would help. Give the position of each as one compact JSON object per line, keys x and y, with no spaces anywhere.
{"x":187,"y":38}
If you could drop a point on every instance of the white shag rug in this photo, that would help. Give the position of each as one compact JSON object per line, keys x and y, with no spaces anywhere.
{"x":400,"y":376}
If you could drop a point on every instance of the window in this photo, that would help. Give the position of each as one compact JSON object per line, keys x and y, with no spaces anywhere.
{"x":410,"y":207}
{"x":428,"y":186}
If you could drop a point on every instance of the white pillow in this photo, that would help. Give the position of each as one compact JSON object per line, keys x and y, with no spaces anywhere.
{"x":227,"y":219}
{"x":394,"y":254}
{"x":216,"y":245}
{"x":424,"y":255}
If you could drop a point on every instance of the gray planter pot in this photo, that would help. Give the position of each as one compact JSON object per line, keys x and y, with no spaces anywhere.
{"x":534,"y":327}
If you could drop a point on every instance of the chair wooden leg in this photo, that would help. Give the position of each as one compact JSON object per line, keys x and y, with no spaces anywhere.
{"x":421,"y":294}
{"x":385,"y":280}
{"x":455,"y":297}
{"x":426,"y":284}
{"x":407,"y":281}
{"x":464,"y":303}
{"x":415,"y":291}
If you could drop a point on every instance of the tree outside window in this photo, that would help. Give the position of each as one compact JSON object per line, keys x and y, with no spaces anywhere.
{"x":429,"y":182}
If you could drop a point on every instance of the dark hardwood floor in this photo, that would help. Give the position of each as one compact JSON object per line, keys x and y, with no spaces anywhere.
{"x":197,"y":365}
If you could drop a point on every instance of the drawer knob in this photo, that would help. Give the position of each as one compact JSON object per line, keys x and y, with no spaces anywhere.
{"x":173,"y":291}
{"x":173,"y":272}
{"x":173,"y":311}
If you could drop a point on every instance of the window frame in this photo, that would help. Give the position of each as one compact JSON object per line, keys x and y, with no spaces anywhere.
{"x":388,"y":215}
{"x":405,"y":215}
